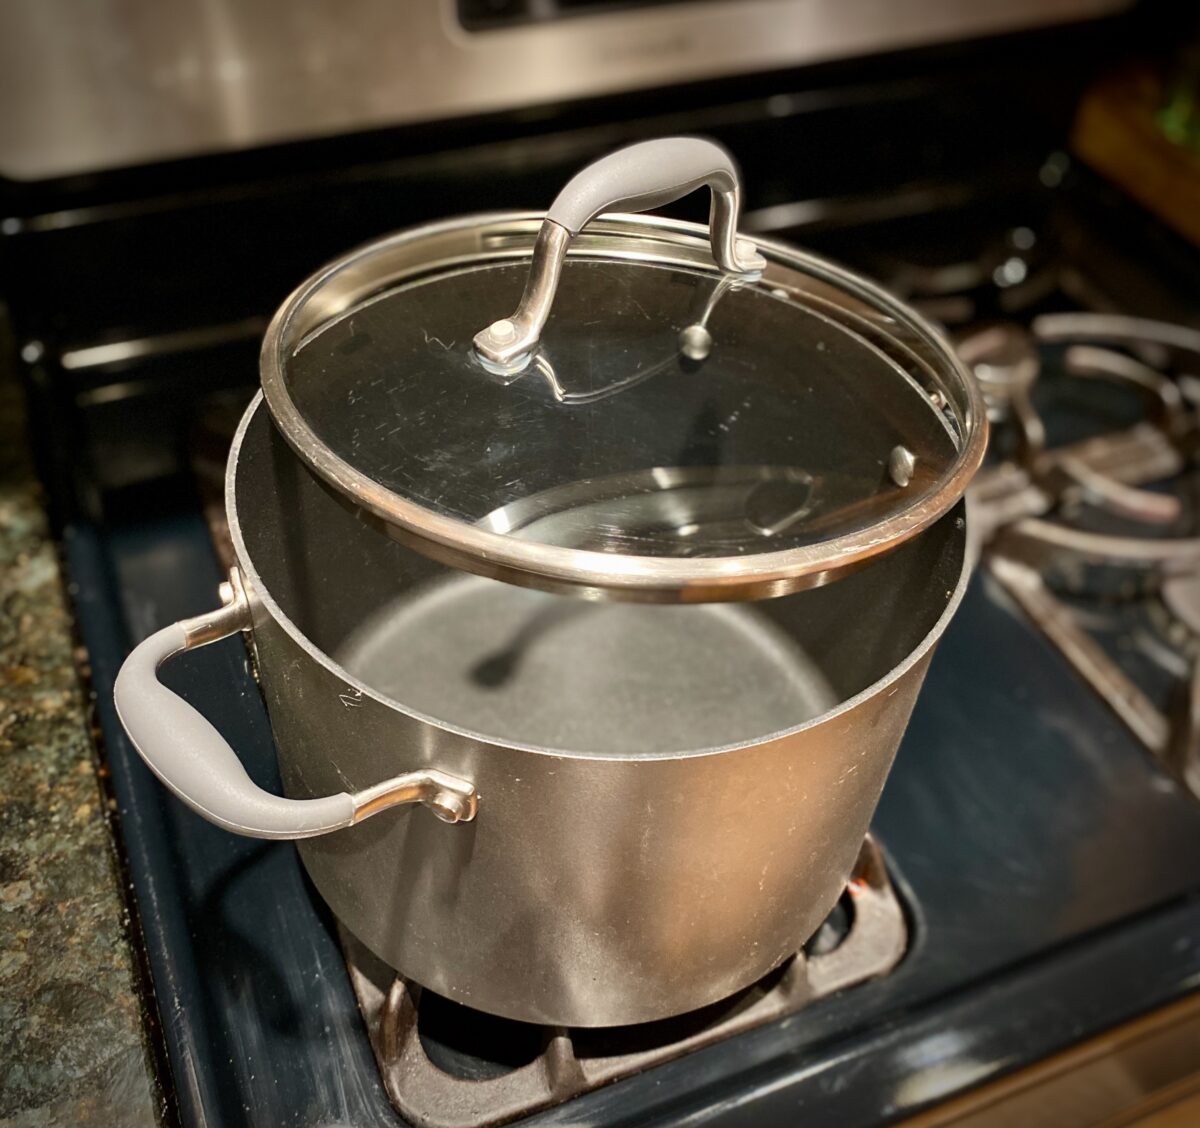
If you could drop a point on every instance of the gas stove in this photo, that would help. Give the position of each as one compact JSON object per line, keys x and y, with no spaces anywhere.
{"x":1037,"y":867}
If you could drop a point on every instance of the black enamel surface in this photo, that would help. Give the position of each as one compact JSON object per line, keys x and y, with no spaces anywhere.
{"x":1050,"y":867}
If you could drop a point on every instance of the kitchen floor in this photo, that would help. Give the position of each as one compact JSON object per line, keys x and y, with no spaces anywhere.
{"x":72,"y":1038}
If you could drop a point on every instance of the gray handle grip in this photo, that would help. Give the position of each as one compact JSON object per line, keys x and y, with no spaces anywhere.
{"x":641,"y":177}
{"x":196,"y":764}
{"x":636,"y":178}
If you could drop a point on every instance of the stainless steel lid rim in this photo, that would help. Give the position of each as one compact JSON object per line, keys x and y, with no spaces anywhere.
{"x":498,"y":556}
{"x":261,"y":596}
{"x":624,"y":576}
{"x":498,"y":236}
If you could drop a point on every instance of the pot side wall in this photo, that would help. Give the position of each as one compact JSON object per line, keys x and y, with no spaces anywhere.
{"x":587,"y":892}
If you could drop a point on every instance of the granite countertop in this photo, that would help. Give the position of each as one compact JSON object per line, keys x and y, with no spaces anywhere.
{"x":73,"y":1044}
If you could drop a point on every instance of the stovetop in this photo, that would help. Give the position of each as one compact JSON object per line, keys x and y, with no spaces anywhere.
{"x":1049,"y":866}
{"x":1047,"y":863}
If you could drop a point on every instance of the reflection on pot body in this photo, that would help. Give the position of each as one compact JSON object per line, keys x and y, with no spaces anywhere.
{"x":640,"y":854}
{"x":666,"y":510}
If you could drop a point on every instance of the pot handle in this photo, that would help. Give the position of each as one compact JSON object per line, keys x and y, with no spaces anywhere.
{"x":194,"y":761}
{"x":636,"y":178}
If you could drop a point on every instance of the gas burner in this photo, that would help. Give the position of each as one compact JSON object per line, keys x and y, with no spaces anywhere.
{"x":1085,"y":506}
{"x":1013,"y":274}
{"x":1098,"y":539}
{"x":446,"y":1066}
{"x":1005,"y":361}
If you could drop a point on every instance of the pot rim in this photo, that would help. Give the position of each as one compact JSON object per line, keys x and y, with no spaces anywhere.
{"x":260,"y":595}
{"x":654,"y":240}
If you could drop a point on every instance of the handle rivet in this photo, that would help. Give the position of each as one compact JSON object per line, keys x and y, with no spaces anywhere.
{"x":502,"y":331}
{"x":448,"y":807}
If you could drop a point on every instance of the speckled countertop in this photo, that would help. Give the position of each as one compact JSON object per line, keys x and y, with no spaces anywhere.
{"x":72,"y":1041}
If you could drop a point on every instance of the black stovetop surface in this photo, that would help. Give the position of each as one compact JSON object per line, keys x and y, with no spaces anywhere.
{"x":1052,"y":872}
{"x":1050,"y":868}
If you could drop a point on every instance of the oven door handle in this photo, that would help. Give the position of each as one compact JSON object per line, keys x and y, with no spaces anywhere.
{"x":195,"y":762}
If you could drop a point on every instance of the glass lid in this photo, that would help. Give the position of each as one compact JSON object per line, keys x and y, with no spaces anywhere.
{"x":657,"y":420}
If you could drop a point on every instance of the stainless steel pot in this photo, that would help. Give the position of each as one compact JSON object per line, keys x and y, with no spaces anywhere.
{"x":656,"y":804}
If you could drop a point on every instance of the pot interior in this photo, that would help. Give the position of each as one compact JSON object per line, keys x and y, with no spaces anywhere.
{"x":553,"y":671}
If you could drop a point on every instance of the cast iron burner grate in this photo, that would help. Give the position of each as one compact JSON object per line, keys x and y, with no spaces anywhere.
{"x":447,"y":1066}
{"x":1096,"y":535}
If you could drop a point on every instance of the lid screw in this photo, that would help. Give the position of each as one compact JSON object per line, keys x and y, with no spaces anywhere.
{"x":502,"y":331}
{"x":901,"y":464}
{"x":695,"y":342}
